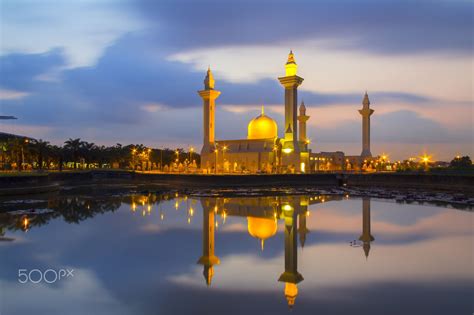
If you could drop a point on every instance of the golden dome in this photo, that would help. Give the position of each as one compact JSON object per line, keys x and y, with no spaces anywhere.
{"x":262,"y":127}
{"x":261,"y":228}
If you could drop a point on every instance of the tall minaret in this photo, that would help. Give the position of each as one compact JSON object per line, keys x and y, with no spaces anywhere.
{"x":302,"y":118}
{"x":366,"y":112}
{"x":208,"y":95}
{"x":366,"y":237}
{"x":208,"y":259}
{"x":291,"y":276}
{"x":291,"y":82}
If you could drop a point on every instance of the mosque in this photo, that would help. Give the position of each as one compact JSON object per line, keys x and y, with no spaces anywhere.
{"x":263,"y":151}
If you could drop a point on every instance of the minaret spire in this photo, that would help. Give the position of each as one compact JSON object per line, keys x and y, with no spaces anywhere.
{"x":366,"y":112}
{"x":290,"y":146}
{"x":209,"y":96}
{"x":302,"y":119}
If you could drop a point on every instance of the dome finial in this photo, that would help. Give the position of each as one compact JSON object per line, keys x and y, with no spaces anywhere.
{"x":262,"y":243}
{"x":263,"y":110}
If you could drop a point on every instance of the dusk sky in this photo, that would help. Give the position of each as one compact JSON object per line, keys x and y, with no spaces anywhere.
{"x":128,"y":71}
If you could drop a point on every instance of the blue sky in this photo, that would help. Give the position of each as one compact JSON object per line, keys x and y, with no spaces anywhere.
{"x":128,"y":71}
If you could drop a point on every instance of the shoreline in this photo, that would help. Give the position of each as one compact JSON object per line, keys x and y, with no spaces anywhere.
{"x":43,"y":183}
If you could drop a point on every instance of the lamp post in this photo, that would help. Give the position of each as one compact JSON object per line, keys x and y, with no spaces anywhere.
{"x":133,"y":157}
{"x":223,"y":157}
{"x":161,"y":160}
{"x":216,"y":151}
{"x":177,"y":159}
{"x":191,"y":150}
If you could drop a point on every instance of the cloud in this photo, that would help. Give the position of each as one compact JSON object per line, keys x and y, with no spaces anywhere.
{"x":19,"y":70}
{"x":83,"y":28}
{"x":11,"y":94}
{"x":379,"y":27}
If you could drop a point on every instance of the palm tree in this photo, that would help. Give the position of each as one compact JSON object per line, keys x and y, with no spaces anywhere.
{"x":88,"y":149}
{"x":74,"y":145}
{"x":41,"y":149}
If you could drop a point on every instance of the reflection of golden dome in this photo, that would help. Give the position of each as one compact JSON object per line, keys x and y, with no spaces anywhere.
{"x":291,"y":291}
{"x":261,"y":228}
{"x":262,"y":127}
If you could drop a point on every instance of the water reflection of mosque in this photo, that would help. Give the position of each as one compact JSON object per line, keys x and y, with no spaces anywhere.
{"x":262,"y":214}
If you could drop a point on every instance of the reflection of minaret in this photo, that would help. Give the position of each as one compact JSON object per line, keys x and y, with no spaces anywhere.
{"x":291,"y":276}
{"x":208,"y":259}
{"x":366,"y":237}
{"x":291,"y":81}
{"x":302,"y":229}
{"x":366,"y":112}
{"x":208,"y":95}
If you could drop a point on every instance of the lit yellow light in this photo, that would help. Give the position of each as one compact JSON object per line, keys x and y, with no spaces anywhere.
{"x":291,"y":67}
{"x":191,"y":211}
{"x":162,"y":217}
{"x":149,"y":208}
{"x":176,"y":205}
{"x":287,"y":150}
{"x":291,"y":291}
{"x":425,"y":158}
{"x":134,"y":206}
{"x":189,"y":220}
{"x":287,"y":207}
{"x":302,"y":167}
{"x":308,"y":141}
{"x":307,"y":213}
{"x":25,"y":223}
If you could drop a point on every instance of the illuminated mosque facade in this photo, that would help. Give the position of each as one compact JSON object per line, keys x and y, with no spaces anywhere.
{"x":263,"y":151}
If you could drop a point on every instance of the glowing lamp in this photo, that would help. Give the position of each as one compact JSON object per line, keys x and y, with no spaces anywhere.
{"x":287,"y":150}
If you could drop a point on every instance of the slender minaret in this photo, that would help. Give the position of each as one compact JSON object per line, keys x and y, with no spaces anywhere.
{"x":302,"y":118}
{"x":303,"y":213}
{"x":366,"y":237}
{"x":208,"y":95}
{"x":291,"y":276}
{"x":366,"y":112}
{"x":208,"y":259}
{"x":291,"y":82}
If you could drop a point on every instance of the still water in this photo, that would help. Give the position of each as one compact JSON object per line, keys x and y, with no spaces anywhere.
{"x":177,"y":254}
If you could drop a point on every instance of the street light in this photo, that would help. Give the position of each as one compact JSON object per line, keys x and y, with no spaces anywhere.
{"x":223,"y":156}
{"x":215,"y":168}
{"x":191,"y":150}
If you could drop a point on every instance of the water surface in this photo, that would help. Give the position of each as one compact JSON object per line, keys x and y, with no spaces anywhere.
{"x":176,"y":254}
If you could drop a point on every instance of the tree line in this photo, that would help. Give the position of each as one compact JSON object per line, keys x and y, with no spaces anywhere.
{"x":21,"y":153}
